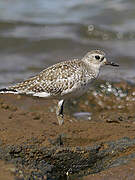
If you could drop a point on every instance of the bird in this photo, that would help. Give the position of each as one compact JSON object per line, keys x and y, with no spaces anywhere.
{"x":63,"y":80}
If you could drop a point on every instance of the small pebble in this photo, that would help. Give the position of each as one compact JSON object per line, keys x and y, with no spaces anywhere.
{"x":4,"y":106}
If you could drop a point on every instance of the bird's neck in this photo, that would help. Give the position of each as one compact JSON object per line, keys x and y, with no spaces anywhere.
{"x":91,"y":67}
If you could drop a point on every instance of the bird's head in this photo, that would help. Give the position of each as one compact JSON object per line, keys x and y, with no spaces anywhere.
{"x":97,"y":59}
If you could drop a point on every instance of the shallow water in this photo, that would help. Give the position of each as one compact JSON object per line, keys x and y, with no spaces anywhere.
{"x":36,"y":34}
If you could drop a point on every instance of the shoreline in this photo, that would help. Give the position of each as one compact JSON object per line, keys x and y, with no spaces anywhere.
{"x":30,"y":125}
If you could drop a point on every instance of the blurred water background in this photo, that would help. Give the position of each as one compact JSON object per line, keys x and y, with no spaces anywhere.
{"x":35,"y":34}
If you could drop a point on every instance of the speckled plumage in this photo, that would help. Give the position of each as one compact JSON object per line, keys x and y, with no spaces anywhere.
{"x":63,"y":80}
{"x":59,"y":80}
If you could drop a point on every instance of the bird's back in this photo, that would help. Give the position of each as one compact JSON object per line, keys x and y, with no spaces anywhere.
{"x":65,"y":78}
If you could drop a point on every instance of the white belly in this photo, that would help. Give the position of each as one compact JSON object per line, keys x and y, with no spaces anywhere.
{"x":77,"y":90}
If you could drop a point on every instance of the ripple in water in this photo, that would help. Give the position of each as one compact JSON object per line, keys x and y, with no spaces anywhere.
{"x":37,"y":34}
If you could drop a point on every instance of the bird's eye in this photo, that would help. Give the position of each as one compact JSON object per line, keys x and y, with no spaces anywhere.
{"x":97,"y":57}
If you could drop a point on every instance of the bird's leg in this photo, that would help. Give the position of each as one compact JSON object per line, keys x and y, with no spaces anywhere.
{"x":59,"y":112}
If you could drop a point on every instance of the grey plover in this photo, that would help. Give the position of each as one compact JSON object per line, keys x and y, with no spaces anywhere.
{"x":63,"y":80}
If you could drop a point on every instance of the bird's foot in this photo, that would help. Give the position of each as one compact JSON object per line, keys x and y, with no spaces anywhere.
{"x":58,"y":141}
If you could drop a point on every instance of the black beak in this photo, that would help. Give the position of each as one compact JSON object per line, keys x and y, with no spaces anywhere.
{"x":111,"y":64}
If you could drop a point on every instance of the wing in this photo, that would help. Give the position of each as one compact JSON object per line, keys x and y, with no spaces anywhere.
{"x":60,"y":77}
{"x":52,"y":81}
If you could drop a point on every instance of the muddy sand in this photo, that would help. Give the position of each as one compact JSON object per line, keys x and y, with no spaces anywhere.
{"x":97,"y":144}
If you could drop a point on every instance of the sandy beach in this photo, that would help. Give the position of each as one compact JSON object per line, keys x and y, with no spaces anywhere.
{"x":31,"y":122}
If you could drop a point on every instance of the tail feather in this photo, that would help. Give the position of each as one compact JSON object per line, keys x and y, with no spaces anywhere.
{"x":6,"y":90}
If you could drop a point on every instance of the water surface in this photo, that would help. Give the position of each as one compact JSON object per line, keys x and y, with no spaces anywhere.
{"x":36,"y":34}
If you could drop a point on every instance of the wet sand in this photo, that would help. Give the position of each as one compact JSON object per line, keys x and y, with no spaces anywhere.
{"x":32,"y":122}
